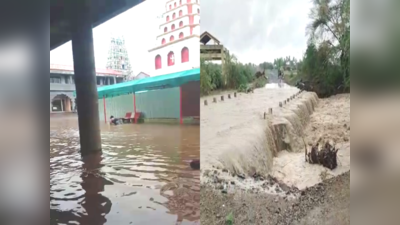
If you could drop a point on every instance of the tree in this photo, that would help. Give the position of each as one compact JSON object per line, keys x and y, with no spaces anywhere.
{"x":266,"y":66}
{"x":331,"y":25}
{"x":235,"y":75}
{"x":205,"y":80}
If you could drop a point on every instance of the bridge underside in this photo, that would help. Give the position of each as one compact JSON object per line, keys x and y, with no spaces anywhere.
{"x":62,"y":11}
{"x":74,"y":20}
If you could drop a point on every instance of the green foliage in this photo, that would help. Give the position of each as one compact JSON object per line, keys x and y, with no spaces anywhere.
{"x":321,"y":71}
{"x":326,"y":63}
{"x":260,"y":82}
{"x":242,"y":88}
{"x":236,"y":75}
{"x":266,"y":66}
{"x":229,"y":219}
{"x":206,"y":84}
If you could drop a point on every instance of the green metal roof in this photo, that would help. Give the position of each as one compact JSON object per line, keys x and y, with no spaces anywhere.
{"x":150,"y":83}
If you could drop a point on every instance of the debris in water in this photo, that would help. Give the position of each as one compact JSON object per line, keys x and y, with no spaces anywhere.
{"x":241,"y":176}
{"x":224,"y":189}
{"x":327,"y":156}
{"x":195,"y":164}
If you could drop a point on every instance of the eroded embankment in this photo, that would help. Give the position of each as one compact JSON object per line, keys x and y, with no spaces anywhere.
{"x":329,"y":122}
{"x":277,"y":198}
{"x":246,"y":148}
{"x":233,"y":131}
{"x":272,"y":158}
{"x":261,"y":140}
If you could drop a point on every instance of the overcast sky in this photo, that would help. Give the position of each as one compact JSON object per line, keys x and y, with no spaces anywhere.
{"x":258,"y":30}
{"x":254,"y":30}
{"x":139,"y":26}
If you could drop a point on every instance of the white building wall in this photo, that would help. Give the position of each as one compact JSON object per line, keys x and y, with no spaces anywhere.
{"x":184,"y":4}
{"x":194,"y":8}
{"x":184,"y":9}
{"x":184,"y":19}
{"x":175,"y":33}
{"x":192,"y":43}
{"x":194,"y":57}
{"x":196,"y":31}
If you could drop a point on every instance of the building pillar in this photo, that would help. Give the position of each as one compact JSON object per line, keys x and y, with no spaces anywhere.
{"x":67,"y":105}
{"x":72,"y":105}
{"x":134,"y":106}
{"x":180,"y":106}
{"x":62,"y":105}
{"x":105,"y":109}
{"x":115,"y":80}
{"x":85,"y":77}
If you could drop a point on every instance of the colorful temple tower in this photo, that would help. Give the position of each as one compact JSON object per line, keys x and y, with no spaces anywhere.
{"x":177,"y":45}
{"x":118,"y":59}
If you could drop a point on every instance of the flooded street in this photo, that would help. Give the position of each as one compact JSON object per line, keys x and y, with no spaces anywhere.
{"x":142,"y":177}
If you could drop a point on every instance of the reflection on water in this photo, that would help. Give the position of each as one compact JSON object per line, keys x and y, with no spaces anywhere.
{"x":142,"y":177}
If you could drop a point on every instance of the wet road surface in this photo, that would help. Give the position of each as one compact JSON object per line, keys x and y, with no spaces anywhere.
{"x":142,"y":177}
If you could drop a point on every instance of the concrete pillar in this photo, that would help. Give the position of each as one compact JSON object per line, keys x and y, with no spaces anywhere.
{"x":72,"y":105}
{"x":62,"y":105}
{"x":67,"y":105}
{"x":115,"y":80}
{"x":85,"y":77}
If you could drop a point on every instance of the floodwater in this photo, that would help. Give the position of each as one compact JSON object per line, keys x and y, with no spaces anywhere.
{"x":236,"y":138}
{"x":233,"y":131}
{"x":142,"y":177}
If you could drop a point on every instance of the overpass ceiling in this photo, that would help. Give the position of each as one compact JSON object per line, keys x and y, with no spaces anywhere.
{"x":102,"y":10}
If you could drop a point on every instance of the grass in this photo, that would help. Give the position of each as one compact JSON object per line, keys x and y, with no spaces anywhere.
{"x":229,"y":219}
{"x":290,"y":77}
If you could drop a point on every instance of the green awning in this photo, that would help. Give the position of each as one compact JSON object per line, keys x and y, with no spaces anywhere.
{"x":150,"y":83}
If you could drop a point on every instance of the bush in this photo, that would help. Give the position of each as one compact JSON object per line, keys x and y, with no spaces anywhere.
{"x":237,"y":75}
{"x":320,"y":71}
{"x":205,"y":79}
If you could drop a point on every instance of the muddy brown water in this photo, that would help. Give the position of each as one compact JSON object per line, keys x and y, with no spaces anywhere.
{"x":142,"y":176}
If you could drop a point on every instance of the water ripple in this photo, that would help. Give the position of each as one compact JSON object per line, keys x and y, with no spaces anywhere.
{"x":142,"y":168}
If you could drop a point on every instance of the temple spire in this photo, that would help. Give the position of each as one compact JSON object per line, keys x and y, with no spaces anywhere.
{"x":118,"y":59}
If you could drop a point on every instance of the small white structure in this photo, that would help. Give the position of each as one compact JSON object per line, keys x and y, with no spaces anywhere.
{"x":141,"y":75}
{"x":177,"y":46}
